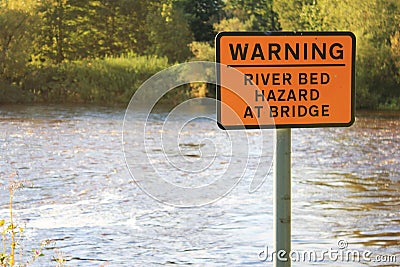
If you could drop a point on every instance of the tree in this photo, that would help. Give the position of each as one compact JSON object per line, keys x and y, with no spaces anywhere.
{"x":396,"y":54}
{"x":260,"y":12}
{"x":201,"y":15}
{"x":378,"y":37}
{"x":77,"y":29}
{"x":233,"y":24}
{"x":375,"y":23}
{"x":168,"y":32}
{"x":17,"y":26}
{"x":290,"y":13}
{"x":64,"y":26}
{"x":116,"y":25}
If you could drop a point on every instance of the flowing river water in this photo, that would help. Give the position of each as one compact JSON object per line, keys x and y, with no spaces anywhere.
{"x":79,"y":193}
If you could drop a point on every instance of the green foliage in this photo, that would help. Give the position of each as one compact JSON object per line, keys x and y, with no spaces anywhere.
{"x":201,"y":15}
{"x":17,"y":23}
{"x":395,"y":41}
{"x":376,"y":24}
{"x":13,"y":94}
{"x":169,"y":32}
{"x":60,"y":34}
{"x":110,"y":80}
{"x":377,"y":65}
{"x":202,"y":51}
{"x":290,"y":13}
{"x":75,"y":50}
{"x":234,"y":24}
{"x":260,"y":12}
{"x":77,"y":29}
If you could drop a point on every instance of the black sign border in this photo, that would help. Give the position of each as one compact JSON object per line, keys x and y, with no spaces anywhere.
{"x":313,"y":125}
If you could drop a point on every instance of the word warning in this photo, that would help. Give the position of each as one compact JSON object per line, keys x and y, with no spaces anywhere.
{"x":285,"y":79}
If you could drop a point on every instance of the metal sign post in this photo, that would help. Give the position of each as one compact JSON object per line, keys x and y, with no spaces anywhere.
{"x":282,"y":198}
{"x":302,"y":79}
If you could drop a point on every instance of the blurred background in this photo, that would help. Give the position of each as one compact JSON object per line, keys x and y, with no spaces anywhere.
{"x":101,"y":51}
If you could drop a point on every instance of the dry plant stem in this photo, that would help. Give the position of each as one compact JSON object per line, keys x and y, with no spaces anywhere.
{"x":8,"y":259}
{"x":12,"y":254}
{"x":4,"y":244}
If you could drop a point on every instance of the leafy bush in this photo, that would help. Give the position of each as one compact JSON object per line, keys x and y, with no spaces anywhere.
{"x":12,"y":94}
{"x":111,"y":80}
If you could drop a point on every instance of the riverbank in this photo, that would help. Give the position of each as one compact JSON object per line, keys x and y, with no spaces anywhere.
{"x":113,"y":80}
{"x":109,"y":81}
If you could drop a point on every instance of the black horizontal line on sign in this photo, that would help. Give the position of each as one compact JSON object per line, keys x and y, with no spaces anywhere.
{"x":285,"y":65}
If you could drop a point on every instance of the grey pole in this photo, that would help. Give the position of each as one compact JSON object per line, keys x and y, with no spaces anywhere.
{"x":282,"y":198}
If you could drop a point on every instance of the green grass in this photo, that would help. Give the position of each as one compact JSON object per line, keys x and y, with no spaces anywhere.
{"x":111,"y":80}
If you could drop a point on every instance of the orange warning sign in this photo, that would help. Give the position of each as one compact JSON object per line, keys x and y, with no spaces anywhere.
{"x":287,"y":79}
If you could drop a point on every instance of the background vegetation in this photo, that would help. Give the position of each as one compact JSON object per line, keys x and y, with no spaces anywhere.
{"x":100,"y":51}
